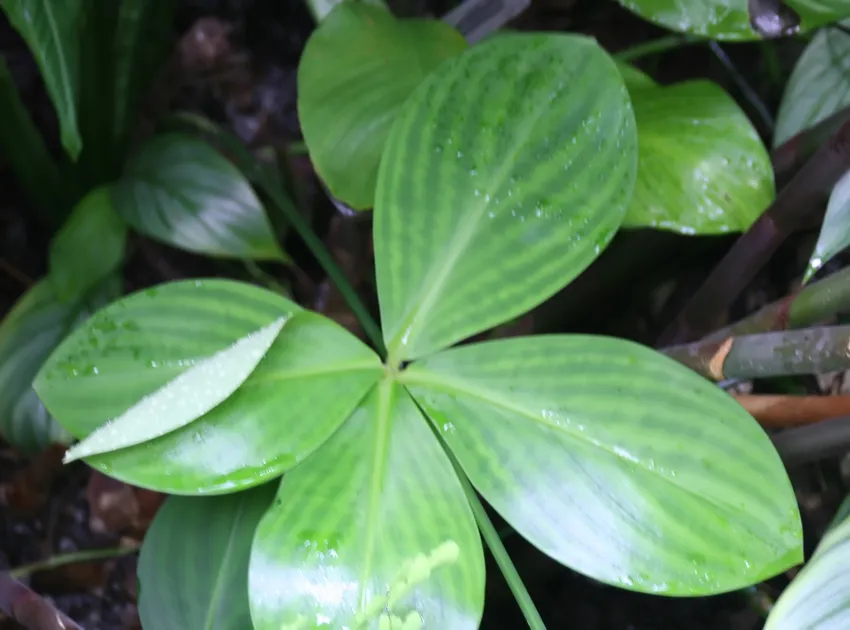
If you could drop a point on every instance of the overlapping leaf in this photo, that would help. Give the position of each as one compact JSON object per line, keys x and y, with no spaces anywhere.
{"x":526,"y":145}
{"x":28,"y":334}
{"x":349,"y":521}
{"x":50,"y":30}
{"x":835,"y":231}
{"x":819,"y":85}
{"x":89,"y":247}
{"x":180,"y":191}
{"x":357,"y":69}
{"x":730,"y":19}
{"x":193,"y":567}
{"x":702,"y":168}
{"x":615,"y":460}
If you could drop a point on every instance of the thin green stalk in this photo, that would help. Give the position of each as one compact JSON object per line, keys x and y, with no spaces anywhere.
{"x":72,"y":558}
{"x":655,"y":46}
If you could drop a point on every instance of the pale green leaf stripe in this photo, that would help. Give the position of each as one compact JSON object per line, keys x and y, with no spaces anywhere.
{"x":193,"y":393}
{"x":524,"y":143}
{"x":193,"y":567}
{"x":615,"y":461}
{"x":138,"y":344}
{"x":379,"y":492}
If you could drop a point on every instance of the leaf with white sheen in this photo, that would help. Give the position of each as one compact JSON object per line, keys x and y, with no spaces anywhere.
{"x":181,"y":191}
{"x":193,"y":393}
{"x":355,"y":520}
{"x":835,"y":231}
{"x":28,"y":334}
{"x":615,"y":460}
{"x":730,"y":19}
{"x":89,"y":246}
{"x":50,"y":29}
{"x":702,"y":168}
{"x":193,"y":566}
{"x":819,"y":85}
{"x":357,"y":69}
{"x":818,"y":599}
{"x":504,"y":176}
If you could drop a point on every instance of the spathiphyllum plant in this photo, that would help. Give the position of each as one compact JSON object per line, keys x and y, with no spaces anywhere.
{"x":337,"y":477}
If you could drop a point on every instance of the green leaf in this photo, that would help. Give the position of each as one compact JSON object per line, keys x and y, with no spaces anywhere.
{"x":818,"y":599}
{"x":346,"y":524}
{"x":206,"y":384}
{"x":357,"y":70}
{"x":311,"y":378}
{"x":729,"y":19}
{"x":524,"y":144}
{"x":89,"y":247}
{"x":193,"y":567}
{"x":50,"y":30}
{"x":702,"y":168}
{"x":835,"y":231}
{"x":180,"y":191}
{"x":28,"y":334}
{"x":615,"y":460}
{"x":819,"y":85}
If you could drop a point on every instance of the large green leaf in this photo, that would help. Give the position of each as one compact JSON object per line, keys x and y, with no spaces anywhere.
{"x":819,"y":597}
{"x":50,"y":30}
{"x":729,"y":19}
{"x":378,"y":504}
{"x":193,"y":567}
{"x":89,"y":247}
{"x":311,"y":378}
{"x":193,"y":393}
{"x":28,"y":334}
{"x":835,"y":231}
{"x":181,"y":191}
{"x":702,"y":168}
{"x":357,"y":69}
{"x":615,"y":461}
{"x":525,"y":144}
{"x":819,"y":85}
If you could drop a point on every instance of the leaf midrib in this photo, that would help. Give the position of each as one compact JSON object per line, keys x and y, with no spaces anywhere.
{"x":226,"y":561}
{"x":64,"y":73}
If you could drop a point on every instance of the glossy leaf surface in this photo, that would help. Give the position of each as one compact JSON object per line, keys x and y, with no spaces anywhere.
{"x":182,"y":192}
{"x":504,"y":176}
{"x":28,"y":334}
{"x":615,"y":461}
{"x":206,"y":384}
{"x":702,"y":168}
{"x":193,"y":567}
{"x":348,"y":521}
{"x":730,"y":19}
{"x":357,"y":69}
{"x":819,"y":85}
{"x":50,"y":30}
{"x":835,"y":231}
{"x":89,"y":246}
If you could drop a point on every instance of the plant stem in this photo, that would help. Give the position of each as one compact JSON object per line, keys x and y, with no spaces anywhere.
{"x":72,"y":558}
{"x":655,"y":46}
{"x":808,"y":351}
{"x":19,"y":603}
{"x":746,"y":89}
{"x":791,"y":155}
{"x":813,"y":442}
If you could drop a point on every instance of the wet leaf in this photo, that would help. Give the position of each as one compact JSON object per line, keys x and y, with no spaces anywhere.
{"x":673,"y":488}
{"x":357,"y":69}
{"x":835,"y":231}
{"x":311,"y":378}
{"x":50,"y":29}
{"x":702,"y":168}
{"x":28,"y":334}
{"x":89,"y":246}
{"x":524,"y":144}
{"x":193,"y":567}
{"x":180,"y":191}
{"x":818,"y":87}
{"x":731,"y":19}
{"x":378,"y":495}
{"x":205,"y":384}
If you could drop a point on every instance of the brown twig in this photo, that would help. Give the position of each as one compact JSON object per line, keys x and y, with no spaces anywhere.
{"x":789,"y":157}
{"x":32,"y":611}
{"x":806,"y":191}
{"x":777,"y":411}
